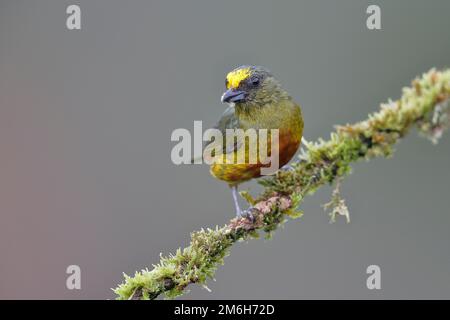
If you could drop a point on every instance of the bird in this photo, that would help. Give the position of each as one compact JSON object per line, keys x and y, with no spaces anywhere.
{"x":256,"y":100}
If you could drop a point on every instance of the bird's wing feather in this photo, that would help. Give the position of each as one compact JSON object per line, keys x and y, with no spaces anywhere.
{"x":227,"y":121}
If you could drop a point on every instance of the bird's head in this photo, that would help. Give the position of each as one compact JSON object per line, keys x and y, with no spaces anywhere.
{"x":252,"y":86}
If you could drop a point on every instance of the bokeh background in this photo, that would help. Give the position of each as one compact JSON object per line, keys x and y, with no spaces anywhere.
{"x":86,"y":118}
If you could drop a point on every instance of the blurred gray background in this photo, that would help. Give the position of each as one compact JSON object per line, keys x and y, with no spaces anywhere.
{"x":85,"y":124}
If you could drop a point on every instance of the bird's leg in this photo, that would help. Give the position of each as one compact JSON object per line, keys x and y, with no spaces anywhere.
{"x":236,"y":203}
{"x":239,"y":213}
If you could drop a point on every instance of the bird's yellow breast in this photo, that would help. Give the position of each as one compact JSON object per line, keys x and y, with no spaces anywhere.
{"x":285,"y":117}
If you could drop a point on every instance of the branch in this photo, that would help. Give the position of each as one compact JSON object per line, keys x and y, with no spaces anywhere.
{"x":425,"y":105}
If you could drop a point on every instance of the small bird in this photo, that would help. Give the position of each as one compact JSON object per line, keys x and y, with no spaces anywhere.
{"x":256,"y":100}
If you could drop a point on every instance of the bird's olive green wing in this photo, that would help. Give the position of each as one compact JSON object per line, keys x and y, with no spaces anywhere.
{"x":227,"y":121}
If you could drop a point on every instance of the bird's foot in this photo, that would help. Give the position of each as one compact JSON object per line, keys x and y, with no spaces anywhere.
{"x":246,"y":214}
{"x":286,"y":167}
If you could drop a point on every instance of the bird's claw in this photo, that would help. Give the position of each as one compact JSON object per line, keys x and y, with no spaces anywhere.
{"x":247,"y":214}
{"x":286,"y":167}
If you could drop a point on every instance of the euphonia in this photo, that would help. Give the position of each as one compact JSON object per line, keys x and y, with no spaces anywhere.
{"x":256,"y":100}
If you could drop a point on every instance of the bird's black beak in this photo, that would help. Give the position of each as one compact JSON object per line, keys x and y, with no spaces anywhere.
{"x":234,"y":96}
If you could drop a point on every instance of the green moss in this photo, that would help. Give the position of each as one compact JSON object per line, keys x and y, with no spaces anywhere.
{"x":426,"y":105}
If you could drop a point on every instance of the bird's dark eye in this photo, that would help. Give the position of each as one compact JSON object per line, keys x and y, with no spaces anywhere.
{"x":254,"y":81}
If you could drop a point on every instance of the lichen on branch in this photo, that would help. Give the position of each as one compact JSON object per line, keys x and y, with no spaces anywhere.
{"x":425,"y":105}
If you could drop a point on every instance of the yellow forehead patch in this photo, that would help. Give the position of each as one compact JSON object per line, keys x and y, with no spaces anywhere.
{"x":235,"y":77}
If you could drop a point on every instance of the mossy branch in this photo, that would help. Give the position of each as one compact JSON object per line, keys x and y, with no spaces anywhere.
{"x":425,"y":105}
